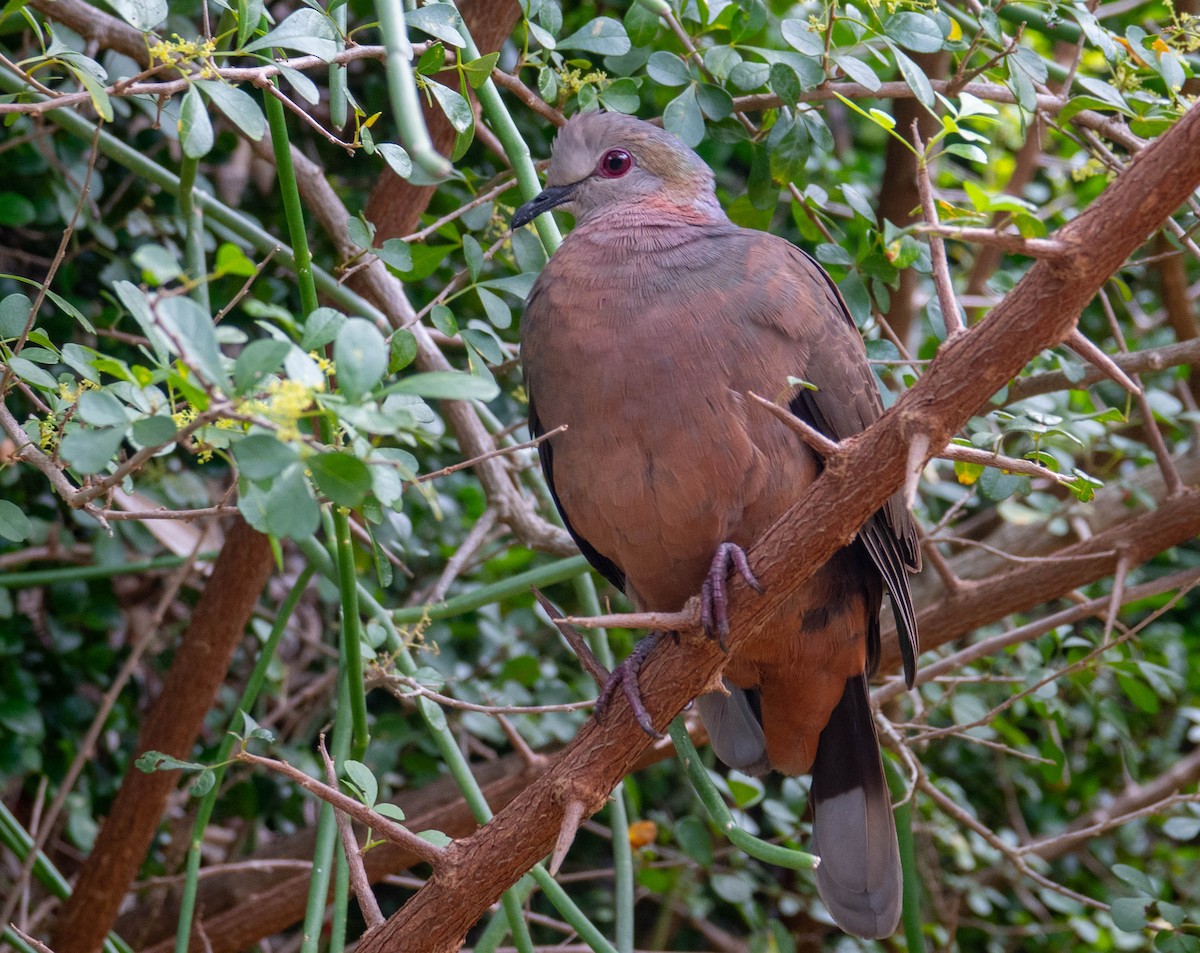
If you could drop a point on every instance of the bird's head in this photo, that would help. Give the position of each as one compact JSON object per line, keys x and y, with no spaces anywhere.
{"x":601,"y":161}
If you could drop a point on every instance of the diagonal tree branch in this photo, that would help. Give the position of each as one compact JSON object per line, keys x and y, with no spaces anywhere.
{"x":1040,"y":312}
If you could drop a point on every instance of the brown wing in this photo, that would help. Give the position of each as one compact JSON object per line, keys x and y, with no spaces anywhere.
{"x":845,"y":402}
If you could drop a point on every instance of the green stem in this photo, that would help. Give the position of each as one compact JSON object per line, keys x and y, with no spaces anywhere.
{"x":318,"y":886}
{"x":18,"y":841}
{"x":254,"y":685}
{"x":541,"y":576}
{"x":711,"y":798}
{"x":497,"y":928}
{"x":515,"y":149}
{"x":293,"y":207}
{"x":585,"y":591}
{"x":193,"y":246}
{"x":49,"y":577}
{"x":402,"y":90}
{"x":339,"y":101}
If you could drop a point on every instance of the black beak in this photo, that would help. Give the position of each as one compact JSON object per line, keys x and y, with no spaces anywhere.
{"x":548,"y":199}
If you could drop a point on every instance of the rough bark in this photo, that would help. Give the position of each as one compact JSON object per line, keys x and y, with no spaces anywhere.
{"x":1040,"y":312}
{"x":171,"y":726}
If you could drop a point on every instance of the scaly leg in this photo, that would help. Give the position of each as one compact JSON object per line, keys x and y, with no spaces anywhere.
{"x":625,"y":676}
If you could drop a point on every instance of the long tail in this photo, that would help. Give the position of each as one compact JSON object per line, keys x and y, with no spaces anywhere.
{"x":854,"y":832}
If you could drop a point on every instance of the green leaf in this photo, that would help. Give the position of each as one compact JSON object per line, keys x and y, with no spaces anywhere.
{"x":158,"y":266}
{"x":443,"y":319}
{"x":746,"y":790}
{"x":693,"y":838}
{"x":289,"y":508}
{"x":231,"y":260}
{"x":915,"y":77}
{"x":14,"y":524}
{"x":203,"y":784}
{"x":641,"y":24}
{"x":497,"y":311}
{"x":403,"y":351}
{"x":101,"y":409}
{"x":321,"y":327}
{"x":785,"y":83}
{"x":1182,"y":828}
{"x":91,"y":451}
{"x":1129,"y":914}
{"x":439,"y":20}
{"x":714,"y":102}
{"x":96,"y":90}
{"x":151,"y":761}
{"x":389,"y":810}
{"x":667,"y":69}
{"x":306,"y":30}
{"x":857,"y":70}
{"x":802,"y":39}
{"x":190,"y":331}
{"x":142,"y":15}
{"x":397,"y":253}
{"x":1134,"y":878}
{"x":360,"y":776}
{"x":446,"y":385}
{"x":474,"y":256}
{"x":14,"y":312}
{"x":257,"y":360}
{"x":156,"y":431}
{"x":967,"y":151}
{"x":30,"y":373}
{"x":732,"y":888}
{"x":914,"y":31}
{"x":479,"y":71}
{"x":433,"y":60}
{"x":195,"y":128}
{"x":603,"y":35}
{"x":262,"y":456}
{"x":361,"y":355}
{"x":343,"y":478}
{"x":237,"y":105}
{"x":456,"y":108}
{"x":621,"y":96}
{"x":249,"y":15}
{"x":683,"y":118}
{"x":397,"y":159}
{"x":486,"y":343}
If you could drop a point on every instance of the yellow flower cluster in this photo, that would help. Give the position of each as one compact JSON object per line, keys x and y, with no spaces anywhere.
{"x":571,"y":81}
{"x":286,"y":402}
{"x":178,"y":50}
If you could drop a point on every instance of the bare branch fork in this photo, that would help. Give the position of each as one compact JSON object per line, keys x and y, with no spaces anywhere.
{"x":1039,"y":313}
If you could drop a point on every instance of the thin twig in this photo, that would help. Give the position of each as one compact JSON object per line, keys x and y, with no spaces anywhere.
{"x":396,"y":833}
{"x":578,"y":644}
{"x":359,"y":882}
{"x":1007,"y":241}
{"x":937,"y":248}
{"x":499,"y":452}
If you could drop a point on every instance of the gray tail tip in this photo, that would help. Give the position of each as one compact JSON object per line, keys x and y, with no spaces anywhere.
{"x":872,"y":913}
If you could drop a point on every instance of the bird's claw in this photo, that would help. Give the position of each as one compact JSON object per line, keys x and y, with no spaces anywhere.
{"x":714,"y":608}
{"x":625,"y":676}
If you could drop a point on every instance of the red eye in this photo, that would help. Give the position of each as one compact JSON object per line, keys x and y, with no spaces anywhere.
{"x":615,"y":163}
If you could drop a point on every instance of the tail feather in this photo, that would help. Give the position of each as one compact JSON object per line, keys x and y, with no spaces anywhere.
{"x":859,"y":877}
{"x":734,"y":728}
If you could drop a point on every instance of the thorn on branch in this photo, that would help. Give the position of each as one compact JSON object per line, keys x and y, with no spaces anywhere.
{"x":577,"y":642}
{"x":572,"y":818}
{"x":821,"y":445}
{"x":918,"y":451}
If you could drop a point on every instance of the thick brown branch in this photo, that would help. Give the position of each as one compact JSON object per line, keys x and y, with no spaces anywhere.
{"x":1040,"y":312}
